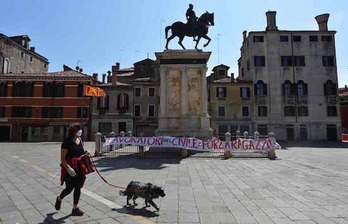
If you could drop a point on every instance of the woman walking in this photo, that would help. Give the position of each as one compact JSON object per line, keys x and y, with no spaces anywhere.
{"x":73,"y":169}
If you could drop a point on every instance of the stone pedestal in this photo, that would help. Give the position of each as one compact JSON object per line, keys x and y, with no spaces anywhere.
{"x":183,"y":99}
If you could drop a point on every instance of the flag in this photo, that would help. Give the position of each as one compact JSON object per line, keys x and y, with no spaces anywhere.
{"x":94,"y":91}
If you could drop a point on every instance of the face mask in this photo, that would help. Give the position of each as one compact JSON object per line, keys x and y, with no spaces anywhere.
{"x":79,"y":133}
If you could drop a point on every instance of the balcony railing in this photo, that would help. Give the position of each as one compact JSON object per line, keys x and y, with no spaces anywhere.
{"x":302,"y":100}
{"x":261,"y":100}
{"x":332,"y":99}
{"x":289,"y":100}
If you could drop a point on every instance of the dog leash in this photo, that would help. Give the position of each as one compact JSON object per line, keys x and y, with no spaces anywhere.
{"x":96,"y":169}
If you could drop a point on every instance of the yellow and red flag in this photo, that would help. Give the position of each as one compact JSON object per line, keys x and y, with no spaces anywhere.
{"x":94,"y":91}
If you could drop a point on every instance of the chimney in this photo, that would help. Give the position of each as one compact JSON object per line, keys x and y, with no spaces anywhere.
{"x":232,"y":77}
{"x":109,"y":77}
{"x":114,"y":79}
{"x":32,"y":49}
{"x":345,"y":87}
{"x":104,"y":77}
{"x":117,"y":66}
{"x":271,"y":21}
{"x":95,"y":76}
{"x":244,"y":35}
{"x":322,"y":21}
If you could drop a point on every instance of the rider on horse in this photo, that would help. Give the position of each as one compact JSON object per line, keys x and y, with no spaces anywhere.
{"x":191,"y":17}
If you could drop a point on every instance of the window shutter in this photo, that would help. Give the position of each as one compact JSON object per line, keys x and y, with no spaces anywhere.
{"x":325,"y":89}
{"x":98,"y":103}
{"x":127,"y":101}
{"x":107,"y":102}
{"x":305,"y":89}
{"x":118,"y":101}
{"x":265,"y":89}
{"x":240,"y":92}
{"x":248,"y":92}
{"x":225,"y":95}
{"x":335,"y":89}
{"x":217,"y":92}
{"x":255,"y":89}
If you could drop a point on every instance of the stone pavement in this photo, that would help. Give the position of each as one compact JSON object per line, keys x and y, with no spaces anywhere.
{"x":305,"y":185}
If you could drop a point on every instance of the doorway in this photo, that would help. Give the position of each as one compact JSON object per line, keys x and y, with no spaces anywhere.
{"x":290,"y":134}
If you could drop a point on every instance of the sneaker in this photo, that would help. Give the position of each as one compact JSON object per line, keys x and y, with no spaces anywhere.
{"x":58,"y":204}
{"x":76,"y":212}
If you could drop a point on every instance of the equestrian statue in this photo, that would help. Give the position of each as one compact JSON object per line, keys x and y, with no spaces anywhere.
{"x":196,"y":28}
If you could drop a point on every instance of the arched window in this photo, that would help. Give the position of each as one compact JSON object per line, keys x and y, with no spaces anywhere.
{"x":6,"y":65}
{"x":287,"y":88}
{"x":330,"y":88}
{"x":23,"y":89}
{"x":260,"y":88}
{"x":302,"y":89}
{"x":122,"y":101}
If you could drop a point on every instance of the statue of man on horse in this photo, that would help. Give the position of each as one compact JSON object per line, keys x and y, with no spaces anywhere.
{"x":193,"y":28}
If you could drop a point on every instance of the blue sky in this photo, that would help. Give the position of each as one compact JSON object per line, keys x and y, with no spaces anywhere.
{"x":97,"y":34}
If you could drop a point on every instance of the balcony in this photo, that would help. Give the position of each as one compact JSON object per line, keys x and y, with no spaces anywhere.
{"x":332,"y":100}
{"x":303,"y":100}
{"x":289,"y":100}
{"x":260,"y":100}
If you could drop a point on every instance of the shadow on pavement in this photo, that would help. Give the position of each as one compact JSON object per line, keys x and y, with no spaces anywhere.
{"x":116,"y":163}
{"x":49,"y":219}
{"x":136,"y":211}
{"x":316,"y":144}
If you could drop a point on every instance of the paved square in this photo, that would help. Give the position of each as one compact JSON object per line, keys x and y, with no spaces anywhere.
{"x":305,"y":185}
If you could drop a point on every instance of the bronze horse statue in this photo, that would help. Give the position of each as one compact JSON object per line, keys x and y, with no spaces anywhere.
{"x":200,"y":29}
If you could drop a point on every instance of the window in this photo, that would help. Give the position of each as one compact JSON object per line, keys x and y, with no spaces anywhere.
{"x":25,"y":89}
{"x":330,"y":88}
{"x":3,"y":89}
{"x":284,"y":38}
{"x":244,"y":92}
{"x":137,"y":110}
{"x":289,"y":111}
{"x":21,"y":111}
{"x":326,"y":38}
{"x":82,"y":112}
{"x":242,"y":71}
{"x":22,"y":54}
{"x":262,"y":111}
{"x":233,"y":129}
{"x":221,"y":73}
{"x":258,"y":38}
{"x":287,"y":88}
{"x":52,"y":112}
{"x":260,"y":88}
{"x":122,"y":101}
{"x":331,"y":111}
{"x":313,"y":38}
{"x":2,"y":111}
{"x":302,"y":111}
{"x":151,"y":92}
{"x":296,"y":38}
{"x":222,"y":131}
{"x":299,"y":60}
{"x":245,"y":111}
{"x":286,"y":61}
{"x":53,"y":89}
{"x":220,"y":92}
{"x":244,"y":128}
{"x":328,"y":61}
{"x":31,"y":58}
{"x":6,"y":65}
{"x":103,"y":103}
{"x":302,"y":88}
{"x":262,"y":129}
{"x":248,"y":65}
{"x":80,"y":90}
{"x":105,"y":127}
{"x":221,"y":111}
{"x":259,"y":61}
{"x":151,"y":110}
{"x":45,"y":65}
{"x":137,"y":92}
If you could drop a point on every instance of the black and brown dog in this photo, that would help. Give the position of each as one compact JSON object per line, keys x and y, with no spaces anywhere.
{"x":147,"y":191}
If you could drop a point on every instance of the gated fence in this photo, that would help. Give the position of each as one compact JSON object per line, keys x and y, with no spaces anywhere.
{"x":121,"y":150}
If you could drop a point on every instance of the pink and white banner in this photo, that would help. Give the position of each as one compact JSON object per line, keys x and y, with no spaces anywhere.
{"x":196,"y":144}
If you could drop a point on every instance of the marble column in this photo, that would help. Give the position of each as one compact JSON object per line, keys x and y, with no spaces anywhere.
{"x":204,"y":92}
{"x":184,"y":94}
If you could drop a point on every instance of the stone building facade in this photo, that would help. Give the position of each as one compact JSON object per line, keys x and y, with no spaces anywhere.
{"x":41,"y":106}
{"x":146,"y":87}
{"x":16,"y":56}
{"x":230,"y":103}
{"x":295,"y":78}
{"x":114,"y":112}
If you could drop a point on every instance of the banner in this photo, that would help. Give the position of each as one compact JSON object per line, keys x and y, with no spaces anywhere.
{"x":345,"y":138}
{"x":207,"y":145}
{"x":94,"y":91}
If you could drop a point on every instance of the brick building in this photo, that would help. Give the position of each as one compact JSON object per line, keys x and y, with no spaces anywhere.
{"x":40,"y":106}
{"x":16,"y":56}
